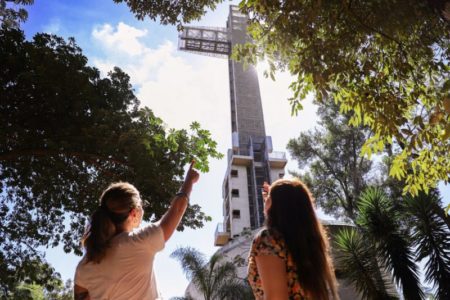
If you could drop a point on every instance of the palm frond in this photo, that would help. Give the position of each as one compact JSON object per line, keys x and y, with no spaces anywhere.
{"x":215,"y":279}
{"x":222,"y":274}
{"x":356,"y":261}
{"x":236,"y":289}
{"x":431,"y":237}
{"x":379,"y":219}
{"x":194,"y":265}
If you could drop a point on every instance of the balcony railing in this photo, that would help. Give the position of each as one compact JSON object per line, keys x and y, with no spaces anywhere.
{"x":277,"y":155}
{"x":221,"y":237}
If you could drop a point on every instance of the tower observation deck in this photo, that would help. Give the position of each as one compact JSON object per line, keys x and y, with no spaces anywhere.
{"x":251,"y":159}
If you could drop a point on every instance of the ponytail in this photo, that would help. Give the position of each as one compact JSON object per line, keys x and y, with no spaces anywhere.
{"x":99,"y":234}
{"x":116,"y":203}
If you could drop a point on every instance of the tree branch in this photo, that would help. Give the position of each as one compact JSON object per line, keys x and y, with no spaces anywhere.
{"x":90,"y":157}
{"x":356,"y":17}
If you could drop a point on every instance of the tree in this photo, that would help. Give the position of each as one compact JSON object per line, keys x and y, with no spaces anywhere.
{"x":25,"y":274}
{"x":430,"y":236}
{"x":66,"y":134}
{"x":379,"y":221}
{"x":385,"y":62}
{"x":357,"y":263}
{"x":28,"y":292}
{"x":33,"y":291}
{"x":12,"y":15}
{"x":336,"y":173}
{"x":175,"y":13}
{"x":386,"y":233}
{"x":214,"y":279}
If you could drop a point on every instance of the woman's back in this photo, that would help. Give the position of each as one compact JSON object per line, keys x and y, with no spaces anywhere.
{"x":268,"y":242}
{"x":290,"y":258}
{"x":126,"y":271}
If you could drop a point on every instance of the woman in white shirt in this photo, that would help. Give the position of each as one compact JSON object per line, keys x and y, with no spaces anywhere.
{"x":118,"y":261}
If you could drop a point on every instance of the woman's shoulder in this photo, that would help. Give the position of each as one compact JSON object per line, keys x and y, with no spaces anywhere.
{"x":267,"y":236}
{"x":150,"y":236}
{"x":267,"y":242}
{"x":266,"y":232}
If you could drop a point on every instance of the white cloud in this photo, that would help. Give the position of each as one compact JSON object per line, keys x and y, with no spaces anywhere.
{"x":123,"y":39}
{"x":175,"y":89}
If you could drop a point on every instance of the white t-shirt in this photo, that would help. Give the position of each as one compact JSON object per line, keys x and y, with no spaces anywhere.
{"x":126,"y":272}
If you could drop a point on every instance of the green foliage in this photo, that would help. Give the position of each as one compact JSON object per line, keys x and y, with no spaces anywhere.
{"x":430,"y":236}
{"x":66,"y":134}
{"x":33,"y":291}
{"x":214,"y":278}
{"x":12,"y":14}
{"x":28,"y":292}
{"x":336,"y":173}
{"x":169,"y":12}
{"x":379,"y":221}
{"x":357,"y":263}
{"x":23,"y":272}
{"x":388,"y":231}
{"x":384,"y":62}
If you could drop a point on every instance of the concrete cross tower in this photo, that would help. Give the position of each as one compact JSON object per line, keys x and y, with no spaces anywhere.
{"x":251,"y":160}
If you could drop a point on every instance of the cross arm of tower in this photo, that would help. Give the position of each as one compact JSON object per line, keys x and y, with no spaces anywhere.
{"x":211,"y":41}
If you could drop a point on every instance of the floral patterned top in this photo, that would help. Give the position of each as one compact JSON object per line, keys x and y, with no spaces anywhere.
{"x":269,"y":243}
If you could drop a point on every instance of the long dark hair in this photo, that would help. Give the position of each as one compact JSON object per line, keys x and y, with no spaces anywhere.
{"x":292,"y":215}
{"x":116,"y":202}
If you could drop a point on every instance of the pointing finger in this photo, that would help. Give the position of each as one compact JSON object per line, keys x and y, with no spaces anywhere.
{"x":191,"y":166}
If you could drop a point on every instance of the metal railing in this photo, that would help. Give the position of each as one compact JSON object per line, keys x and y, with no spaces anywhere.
{"x":277,"y":155}
{"x":219,"y":229}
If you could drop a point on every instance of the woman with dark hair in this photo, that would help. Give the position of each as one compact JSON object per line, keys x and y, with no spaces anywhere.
{"x":289,"y":257}
{"x":118,"y":260}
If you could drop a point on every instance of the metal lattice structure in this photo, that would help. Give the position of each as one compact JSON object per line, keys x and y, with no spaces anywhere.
{"x":206,"y":41}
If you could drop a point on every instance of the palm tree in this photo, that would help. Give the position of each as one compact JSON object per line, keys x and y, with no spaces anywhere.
{"x":356,"y":262}
{"x":215,"y":279}
{"x":379,"y":221}
{"x":430,"y":235}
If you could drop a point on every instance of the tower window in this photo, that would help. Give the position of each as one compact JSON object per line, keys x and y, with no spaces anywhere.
{"x":234,"y":193}
{"x":281,"y":175}
{"x":236,"y":214}
{"x":234,"y":173}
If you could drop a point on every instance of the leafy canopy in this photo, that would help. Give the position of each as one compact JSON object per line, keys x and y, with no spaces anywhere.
{"x":335,"y":171}
{"x":66,"y":134}
{"x":385,"y":62}
{"x":170,"y":12}
{"x":11,"y":14}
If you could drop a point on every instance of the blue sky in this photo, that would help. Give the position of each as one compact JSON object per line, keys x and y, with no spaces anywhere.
{"x":180,"y":88}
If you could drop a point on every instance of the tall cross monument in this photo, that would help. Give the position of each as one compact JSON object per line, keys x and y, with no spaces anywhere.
{"x":251,"y":160}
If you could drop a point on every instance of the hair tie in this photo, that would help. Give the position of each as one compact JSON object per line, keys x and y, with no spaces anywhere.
{"x":116,"y":218}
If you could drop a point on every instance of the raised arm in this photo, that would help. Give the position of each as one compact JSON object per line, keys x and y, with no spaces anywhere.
{"x":169,"y":222}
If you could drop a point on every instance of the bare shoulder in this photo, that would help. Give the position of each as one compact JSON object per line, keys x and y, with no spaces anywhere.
{"x":262,"y":233}
{"x":266,"y":235}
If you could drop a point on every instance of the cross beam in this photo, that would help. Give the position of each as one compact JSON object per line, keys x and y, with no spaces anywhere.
{"x":205,"y":40}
